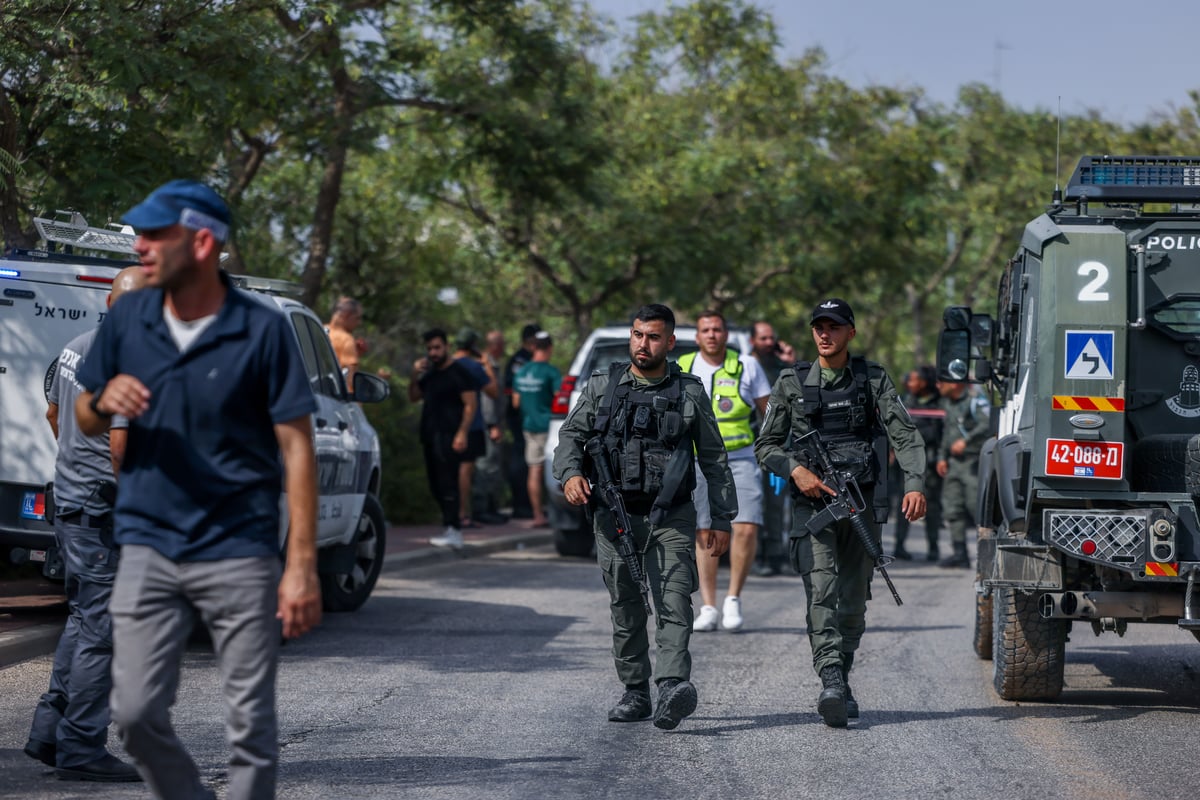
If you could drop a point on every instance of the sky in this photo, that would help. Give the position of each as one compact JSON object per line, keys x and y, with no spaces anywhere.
{"x":1124,"y":59}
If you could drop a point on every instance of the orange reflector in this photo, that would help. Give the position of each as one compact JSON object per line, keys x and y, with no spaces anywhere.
{"x":1161,"y":570}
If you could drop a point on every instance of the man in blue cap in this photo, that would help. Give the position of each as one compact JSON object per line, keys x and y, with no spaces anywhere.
{"x":219,"y":406}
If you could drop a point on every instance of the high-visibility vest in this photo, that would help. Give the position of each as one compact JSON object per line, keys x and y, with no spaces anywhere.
{"x":731,"y":409}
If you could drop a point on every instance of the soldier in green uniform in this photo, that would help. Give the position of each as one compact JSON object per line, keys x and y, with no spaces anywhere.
{"x":967,"y":427}
{"x":645,"y":411}
{"x":853,"y":403}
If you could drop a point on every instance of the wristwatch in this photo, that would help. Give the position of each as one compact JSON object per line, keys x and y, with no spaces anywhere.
{"x":94,"y":405}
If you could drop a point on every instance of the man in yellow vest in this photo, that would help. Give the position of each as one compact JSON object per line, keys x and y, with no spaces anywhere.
{"x":737,"y":385}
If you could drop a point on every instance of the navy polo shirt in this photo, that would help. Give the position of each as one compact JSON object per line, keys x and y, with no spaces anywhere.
{"x":202,"y":473}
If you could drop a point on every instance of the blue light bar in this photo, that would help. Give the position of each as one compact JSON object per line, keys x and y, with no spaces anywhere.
{"x":1143,"y":179}
{"x":10,"y":273}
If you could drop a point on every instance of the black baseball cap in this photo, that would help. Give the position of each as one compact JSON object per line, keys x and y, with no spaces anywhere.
{"x":835,"y":309}
{"x":529,"y":331}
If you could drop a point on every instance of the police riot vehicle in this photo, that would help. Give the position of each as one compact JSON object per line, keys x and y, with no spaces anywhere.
{"x":48,"y":297}
{"x":1087,"y":499}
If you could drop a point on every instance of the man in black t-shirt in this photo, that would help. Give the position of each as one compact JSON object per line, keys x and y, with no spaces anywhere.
{"x":450,"y":399}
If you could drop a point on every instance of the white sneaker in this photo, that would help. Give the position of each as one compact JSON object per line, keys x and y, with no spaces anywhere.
{"x":706,"y":620}
{"x":451,"y":538}
{"x":731,"y":614}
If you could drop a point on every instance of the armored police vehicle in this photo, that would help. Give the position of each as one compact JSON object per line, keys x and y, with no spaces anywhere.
{"x":48,"y":297}
{"x":1087,"y":507}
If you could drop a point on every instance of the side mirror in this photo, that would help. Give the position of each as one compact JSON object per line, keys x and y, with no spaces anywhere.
{"x":962,"y":345}
{"x":954,"y":355}
{"x":369,"y":388}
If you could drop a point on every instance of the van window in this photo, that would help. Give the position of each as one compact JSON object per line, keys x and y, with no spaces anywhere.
{"x":324,"y":374}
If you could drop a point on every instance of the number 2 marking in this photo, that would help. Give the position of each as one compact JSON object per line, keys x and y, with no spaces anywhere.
{"x":1091,"y":293}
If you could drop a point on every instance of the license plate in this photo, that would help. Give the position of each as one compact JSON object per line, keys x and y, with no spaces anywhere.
{"x":33,"y":505}
{"x":1070,"y":459}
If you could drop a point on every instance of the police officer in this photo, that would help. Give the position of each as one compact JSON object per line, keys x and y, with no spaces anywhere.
{"x":966,"y":428}
{"x":650,"y":416}
{"x":853,"y":403}
{"x":923,"y":403}
{"x":70,"y":723}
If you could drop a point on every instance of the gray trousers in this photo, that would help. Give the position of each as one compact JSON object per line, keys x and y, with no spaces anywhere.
{"x":73,"y":713}
{"x":152,"y":611}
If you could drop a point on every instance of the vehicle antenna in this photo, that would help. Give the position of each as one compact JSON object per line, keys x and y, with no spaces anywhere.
{"x":1056,"y":198}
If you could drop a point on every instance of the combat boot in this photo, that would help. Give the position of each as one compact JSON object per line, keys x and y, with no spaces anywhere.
{"x":958,"y":558}
{"x":831,"y":704}
{"x":851,"y":703}
{"x":676,"y":700}
{"x":633,"y":706}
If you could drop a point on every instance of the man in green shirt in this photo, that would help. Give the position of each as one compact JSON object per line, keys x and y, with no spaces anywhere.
{"x":534,"y":386}
{"x":853,"y":403}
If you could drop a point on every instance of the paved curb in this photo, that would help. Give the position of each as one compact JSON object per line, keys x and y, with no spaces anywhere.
{"x":31,"y":642}
{"x":38,"y":640}
{"x":433,"y":555}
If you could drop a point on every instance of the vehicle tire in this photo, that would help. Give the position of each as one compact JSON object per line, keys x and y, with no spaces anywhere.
{"x":1191,"y":472}
{"x":1162,"y":463}
{"x":574,"y":543}
{"x":983,"y":613}
{"x":347,"y":591}
{"x":983,"y":625}
{"x":1028,"y":652}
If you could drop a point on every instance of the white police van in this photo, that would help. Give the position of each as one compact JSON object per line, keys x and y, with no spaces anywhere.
{"x":47,"y":298}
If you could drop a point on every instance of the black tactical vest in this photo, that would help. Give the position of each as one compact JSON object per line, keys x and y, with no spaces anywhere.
{"x":641,"y":431}
{"x":847,"y":419}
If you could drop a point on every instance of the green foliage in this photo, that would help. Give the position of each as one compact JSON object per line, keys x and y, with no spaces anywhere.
{"x":494,"y":162}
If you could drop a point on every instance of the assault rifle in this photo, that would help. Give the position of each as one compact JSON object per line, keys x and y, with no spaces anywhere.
{"x":848,"y":504}
{"x":622,"y":535}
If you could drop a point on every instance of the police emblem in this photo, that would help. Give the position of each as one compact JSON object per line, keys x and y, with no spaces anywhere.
{"x":725,"y":404}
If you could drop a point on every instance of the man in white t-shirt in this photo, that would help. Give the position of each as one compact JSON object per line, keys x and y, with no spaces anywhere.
{"x":737,"y":386}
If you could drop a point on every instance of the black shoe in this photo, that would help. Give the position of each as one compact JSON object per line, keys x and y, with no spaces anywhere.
{"x":932,"y":555}
{"x":765,"y":570}
{"x":831,"y":703}
{"x":108,"y":769}
{"x":633,"y":706}
{"x":901,"y":554}
{"x":41,"y":751}
{"x":492,"y":518}
{"x":676,"y":700}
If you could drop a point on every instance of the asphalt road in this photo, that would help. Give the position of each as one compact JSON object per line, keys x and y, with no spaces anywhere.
{"x":490,"y":678}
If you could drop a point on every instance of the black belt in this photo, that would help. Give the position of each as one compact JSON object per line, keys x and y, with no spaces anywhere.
{"x":85,"y":520}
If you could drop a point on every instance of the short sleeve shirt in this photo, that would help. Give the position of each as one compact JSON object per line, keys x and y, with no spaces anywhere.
{"x":442,"y":410}
{"x":480,"y":379}
{"x":202,"y":474}
{"x":83,"y":462}
{"x":536,"y":382}
{"x":752,"y":386}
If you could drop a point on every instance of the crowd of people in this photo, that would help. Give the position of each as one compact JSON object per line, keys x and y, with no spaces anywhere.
{"x":716,"y":452}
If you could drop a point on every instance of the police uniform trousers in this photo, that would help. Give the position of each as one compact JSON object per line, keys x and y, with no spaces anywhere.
{"x":73,"y":714}
{"x":668,"y":555}
{"x":153,"y":606}
{"x":959,"y":496}
{"x":837,"y":583}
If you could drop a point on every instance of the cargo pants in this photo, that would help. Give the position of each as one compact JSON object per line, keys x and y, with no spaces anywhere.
{"x":960,"y":493}
{"x":73,"y":714}
{"x":837,"y":583}
{"x":668,"y":555}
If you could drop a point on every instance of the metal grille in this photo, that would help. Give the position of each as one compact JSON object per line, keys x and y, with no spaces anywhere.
{"x":76,"y":232}
{"x":1119,"y":538}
